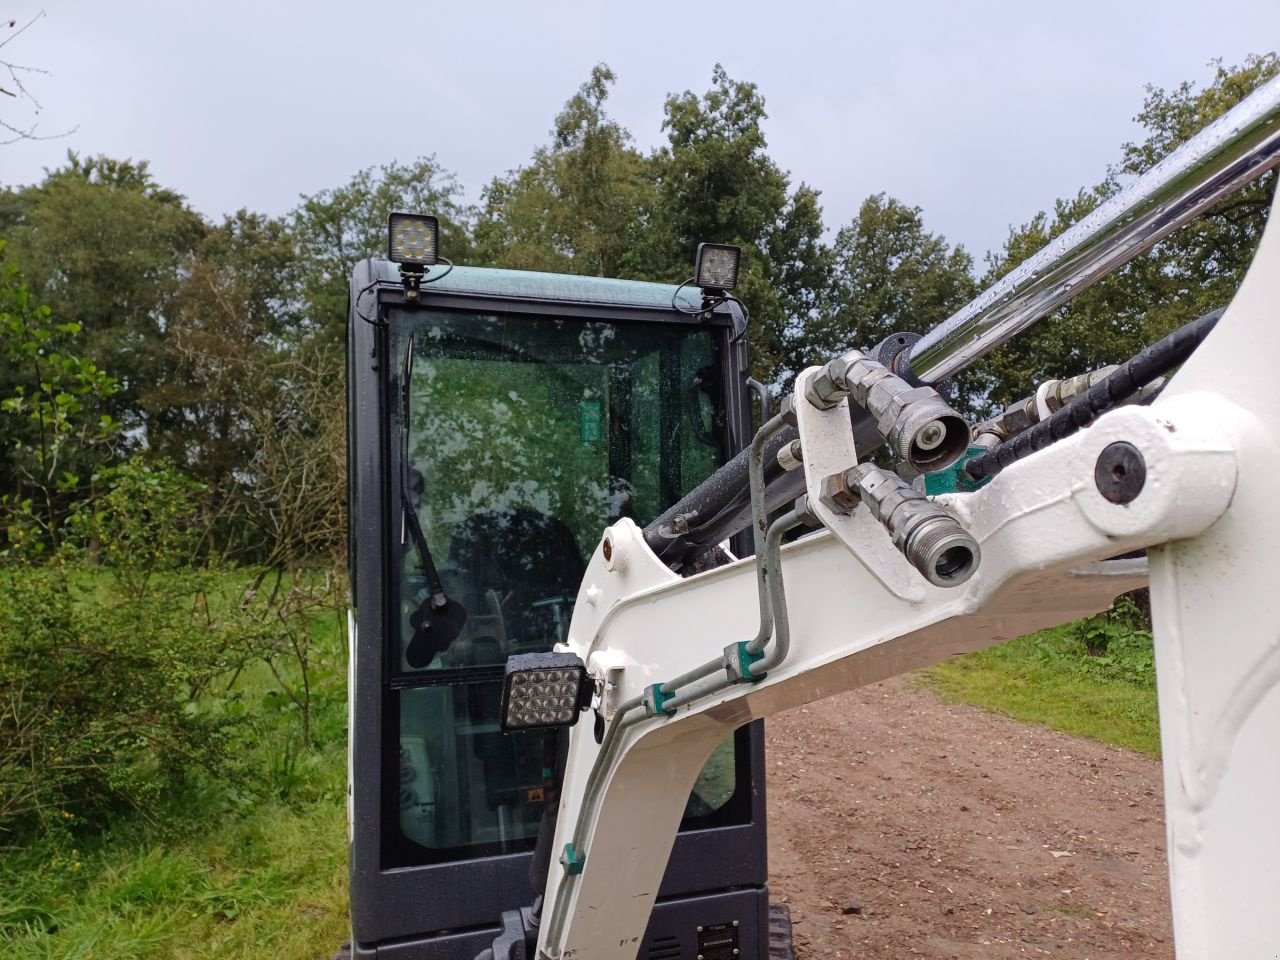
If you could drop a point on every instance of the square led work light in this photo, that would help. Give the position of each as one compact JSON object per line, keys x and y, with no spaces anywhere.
{"x":543,"y":690}
{"x":414,"y":239}
{"x":717,"y":267}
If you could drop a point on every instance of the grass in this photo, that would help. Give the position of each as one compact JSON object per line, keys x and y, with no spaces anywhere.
{"x":1049,"y":678}
{"x":255,"y":867}
{"x":271,"y":883}
{"x":244,"y":867}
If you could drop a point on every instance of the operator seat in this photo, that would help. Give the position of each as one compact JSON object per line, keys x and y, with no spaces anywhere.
{"x":531,"y":562}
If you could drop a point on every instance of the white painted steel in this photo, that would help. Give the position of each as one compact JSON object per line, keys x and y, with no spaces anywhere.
{"x":860,"y":613}
{"x":1037,"y":524}
{"x":1216,"y":608}
{"x":827,"y":447}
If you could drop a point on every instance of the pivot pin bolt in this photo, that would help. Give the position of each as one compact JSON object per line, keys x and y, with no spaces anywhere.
{"x":1120,"y":473}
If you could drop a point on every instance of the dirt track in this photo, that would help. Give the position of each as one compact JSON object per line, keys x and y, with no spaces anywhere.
{"x":902,"y":826}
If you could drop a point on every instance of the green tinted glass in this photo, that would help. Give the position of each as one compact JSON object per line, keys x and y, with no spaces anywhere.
{"x":518,"y":440}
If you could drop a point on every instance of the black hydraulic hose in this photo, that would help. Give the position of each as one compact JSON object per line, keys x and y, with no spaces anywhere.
{"x":726,"y":488}
{"x":1130,"y":377}
{"x":721,"y":505}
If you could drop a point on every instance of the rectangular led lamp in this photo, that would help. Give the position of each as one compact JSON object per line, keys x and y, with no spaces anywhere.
{"x":541,"y":690}
{"x":717,"y":266}
{"x":413,"y":239}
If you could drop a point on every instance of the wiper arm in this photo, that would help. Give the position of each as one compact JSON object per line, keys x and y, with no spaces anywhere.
{"x":438,"y":620}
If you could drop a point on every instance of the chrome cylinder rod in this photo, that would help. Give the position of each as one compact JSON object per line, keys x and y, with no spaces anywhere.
{"x":1234,"y":150}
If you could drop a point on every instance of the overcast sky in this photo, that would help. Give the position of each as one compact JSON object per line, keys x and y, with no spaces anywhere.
{"x":980,"y":113}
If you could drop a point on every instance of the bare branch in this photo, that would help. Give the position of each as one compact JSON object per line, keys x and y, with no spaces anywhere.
{"x":21,"y":30}
{"x":20,"y":91}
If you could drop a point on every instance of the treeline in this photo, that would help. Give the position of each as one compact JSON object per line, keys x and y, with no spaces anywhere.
{"x":135,"y":326}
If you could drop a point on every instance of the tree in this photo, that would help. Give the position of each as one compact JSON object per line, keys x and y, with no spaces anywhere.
{"x":235,"y":315}
{"x":575,"y":207}
{"x":890,"y":275}
{"x":717,"y":183}
{"x":1187,"y":274}
{"x":56,"y":432}
{"x":106,"y":247}
{"x":336,"y":228}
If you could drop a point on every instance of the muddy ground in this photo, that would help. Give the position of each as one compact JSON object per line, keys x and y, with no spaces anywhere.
{"x":902,"y":826}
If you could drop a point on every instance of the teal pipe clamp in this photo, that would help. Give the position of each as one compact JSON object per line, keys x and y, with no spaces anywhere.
{"x":738,"y":660}
{"x":954,"y":479}
{"x":655,"y":701}
{"x":572,"y":860}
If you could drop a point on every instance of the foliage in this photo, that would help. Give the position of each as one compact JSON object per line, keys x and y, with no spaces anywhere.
{"x":1050,"y":678}
{"x":276,"y":621}
{"x":268,"y":880}
{"x":119,"y":660}
{"x":1186,"y":275}
{"x":105,"y":246}
{"x":52,"y":416}
{"x":291,"y":494}
{"x":234,"y":313}
{"x":220,"y":865}
{"x":101,"y":688}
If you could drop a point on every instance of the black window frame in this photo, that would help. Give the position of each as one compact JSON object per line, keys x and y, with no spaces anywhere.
{"x":399,"y":905}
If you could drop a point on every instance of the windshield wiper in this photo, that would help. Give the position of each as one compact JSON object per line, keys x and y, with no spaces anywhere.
{"x":438,"y":620}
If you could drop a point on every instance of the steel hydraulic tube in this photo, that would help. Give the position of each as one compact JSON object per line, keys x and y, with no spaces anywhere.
{"x":1234,"y":150}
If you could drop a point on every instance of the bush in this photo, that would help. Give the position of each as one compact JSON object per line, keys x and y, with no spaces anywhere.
{"x":103,"y":672}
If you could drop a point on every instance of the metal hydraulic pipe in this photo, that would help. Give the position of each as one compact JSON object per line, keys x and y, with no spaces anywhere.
{"x":777,"y":595}
{"x":604,"y":758}
{"x":692,"y":676}
{"x":755,"y":481}
{"x":773,"y":562}
{"x":781,"y":633}
{"x":1238,"y":147}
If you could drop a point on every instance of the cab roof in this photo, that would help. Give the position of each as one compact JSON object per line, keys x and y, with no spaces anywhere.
{"x":551,"y":287}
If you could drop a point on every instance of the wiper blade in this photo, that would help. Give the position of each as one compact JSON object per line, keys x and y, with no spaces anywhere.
{"x":438,"y":620}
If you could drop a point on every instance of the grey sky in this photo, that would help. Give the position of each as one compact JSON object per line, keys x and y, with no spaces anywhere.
{"x":980,"y":113}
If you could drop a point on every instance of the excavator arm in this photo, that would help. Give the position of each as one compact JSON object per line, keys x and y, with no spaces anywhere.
{"x":888,"y":580}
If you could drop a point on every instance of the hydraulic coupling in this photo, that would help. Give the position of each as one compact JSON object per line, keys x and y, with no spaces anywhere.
{"x":919,"y":426}
{"x":929,"y":537}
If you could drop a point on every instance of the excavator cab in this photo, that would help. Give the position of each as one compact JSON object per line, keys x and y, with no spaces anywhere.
{"x":498,"y":422}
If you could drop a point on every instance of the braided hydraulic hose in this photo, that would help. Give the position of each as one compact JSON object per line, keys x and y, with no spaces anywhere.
{"x":1130,"y":377}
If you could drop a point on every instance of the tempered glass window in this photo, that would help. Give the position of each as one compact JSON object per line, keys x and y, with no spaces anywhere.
{"x":517,"y":439}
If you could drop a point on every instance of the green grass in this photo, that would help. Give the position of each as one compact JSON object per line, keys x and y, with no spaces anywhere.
{"x":255,"y":866}
{"x":248,"y":866}
{"x":1048,"y":678}
{"x":270,"y":883}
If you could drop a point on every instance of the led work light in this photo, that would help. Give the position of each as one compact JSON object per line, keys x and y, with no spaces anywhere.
{"x":717,"y":267}
{"x":414,"y":239}
{"x":543,"y":690}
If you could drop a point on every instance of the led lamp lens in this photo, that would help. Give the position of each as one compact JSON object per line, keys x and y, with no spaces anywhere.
{"x":717,"y":266}
{"x":542,"y":690}
{"x":414,"y":239}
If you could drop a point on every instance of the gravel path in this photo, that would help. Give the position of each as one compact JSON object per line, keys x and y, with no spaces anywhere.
{"x":902,"y":826}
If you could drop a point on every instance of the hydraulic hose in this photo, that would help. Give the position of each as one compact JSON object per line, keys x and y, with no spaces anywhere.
{"x":1130,"y":377}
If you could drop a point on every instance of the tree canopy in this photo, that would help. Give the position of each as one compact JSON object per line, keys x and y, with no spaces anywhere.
{"x":216,"y":345}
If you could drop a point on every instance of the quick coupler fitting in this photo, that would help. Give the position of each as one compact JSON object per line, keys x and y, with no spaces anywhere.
{"x":931,"y":539}
{"x":919,"y":426}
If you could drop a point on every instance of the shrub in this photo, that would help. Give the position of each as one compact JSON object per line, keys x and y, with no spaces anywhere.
{"x":103,"y":671}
